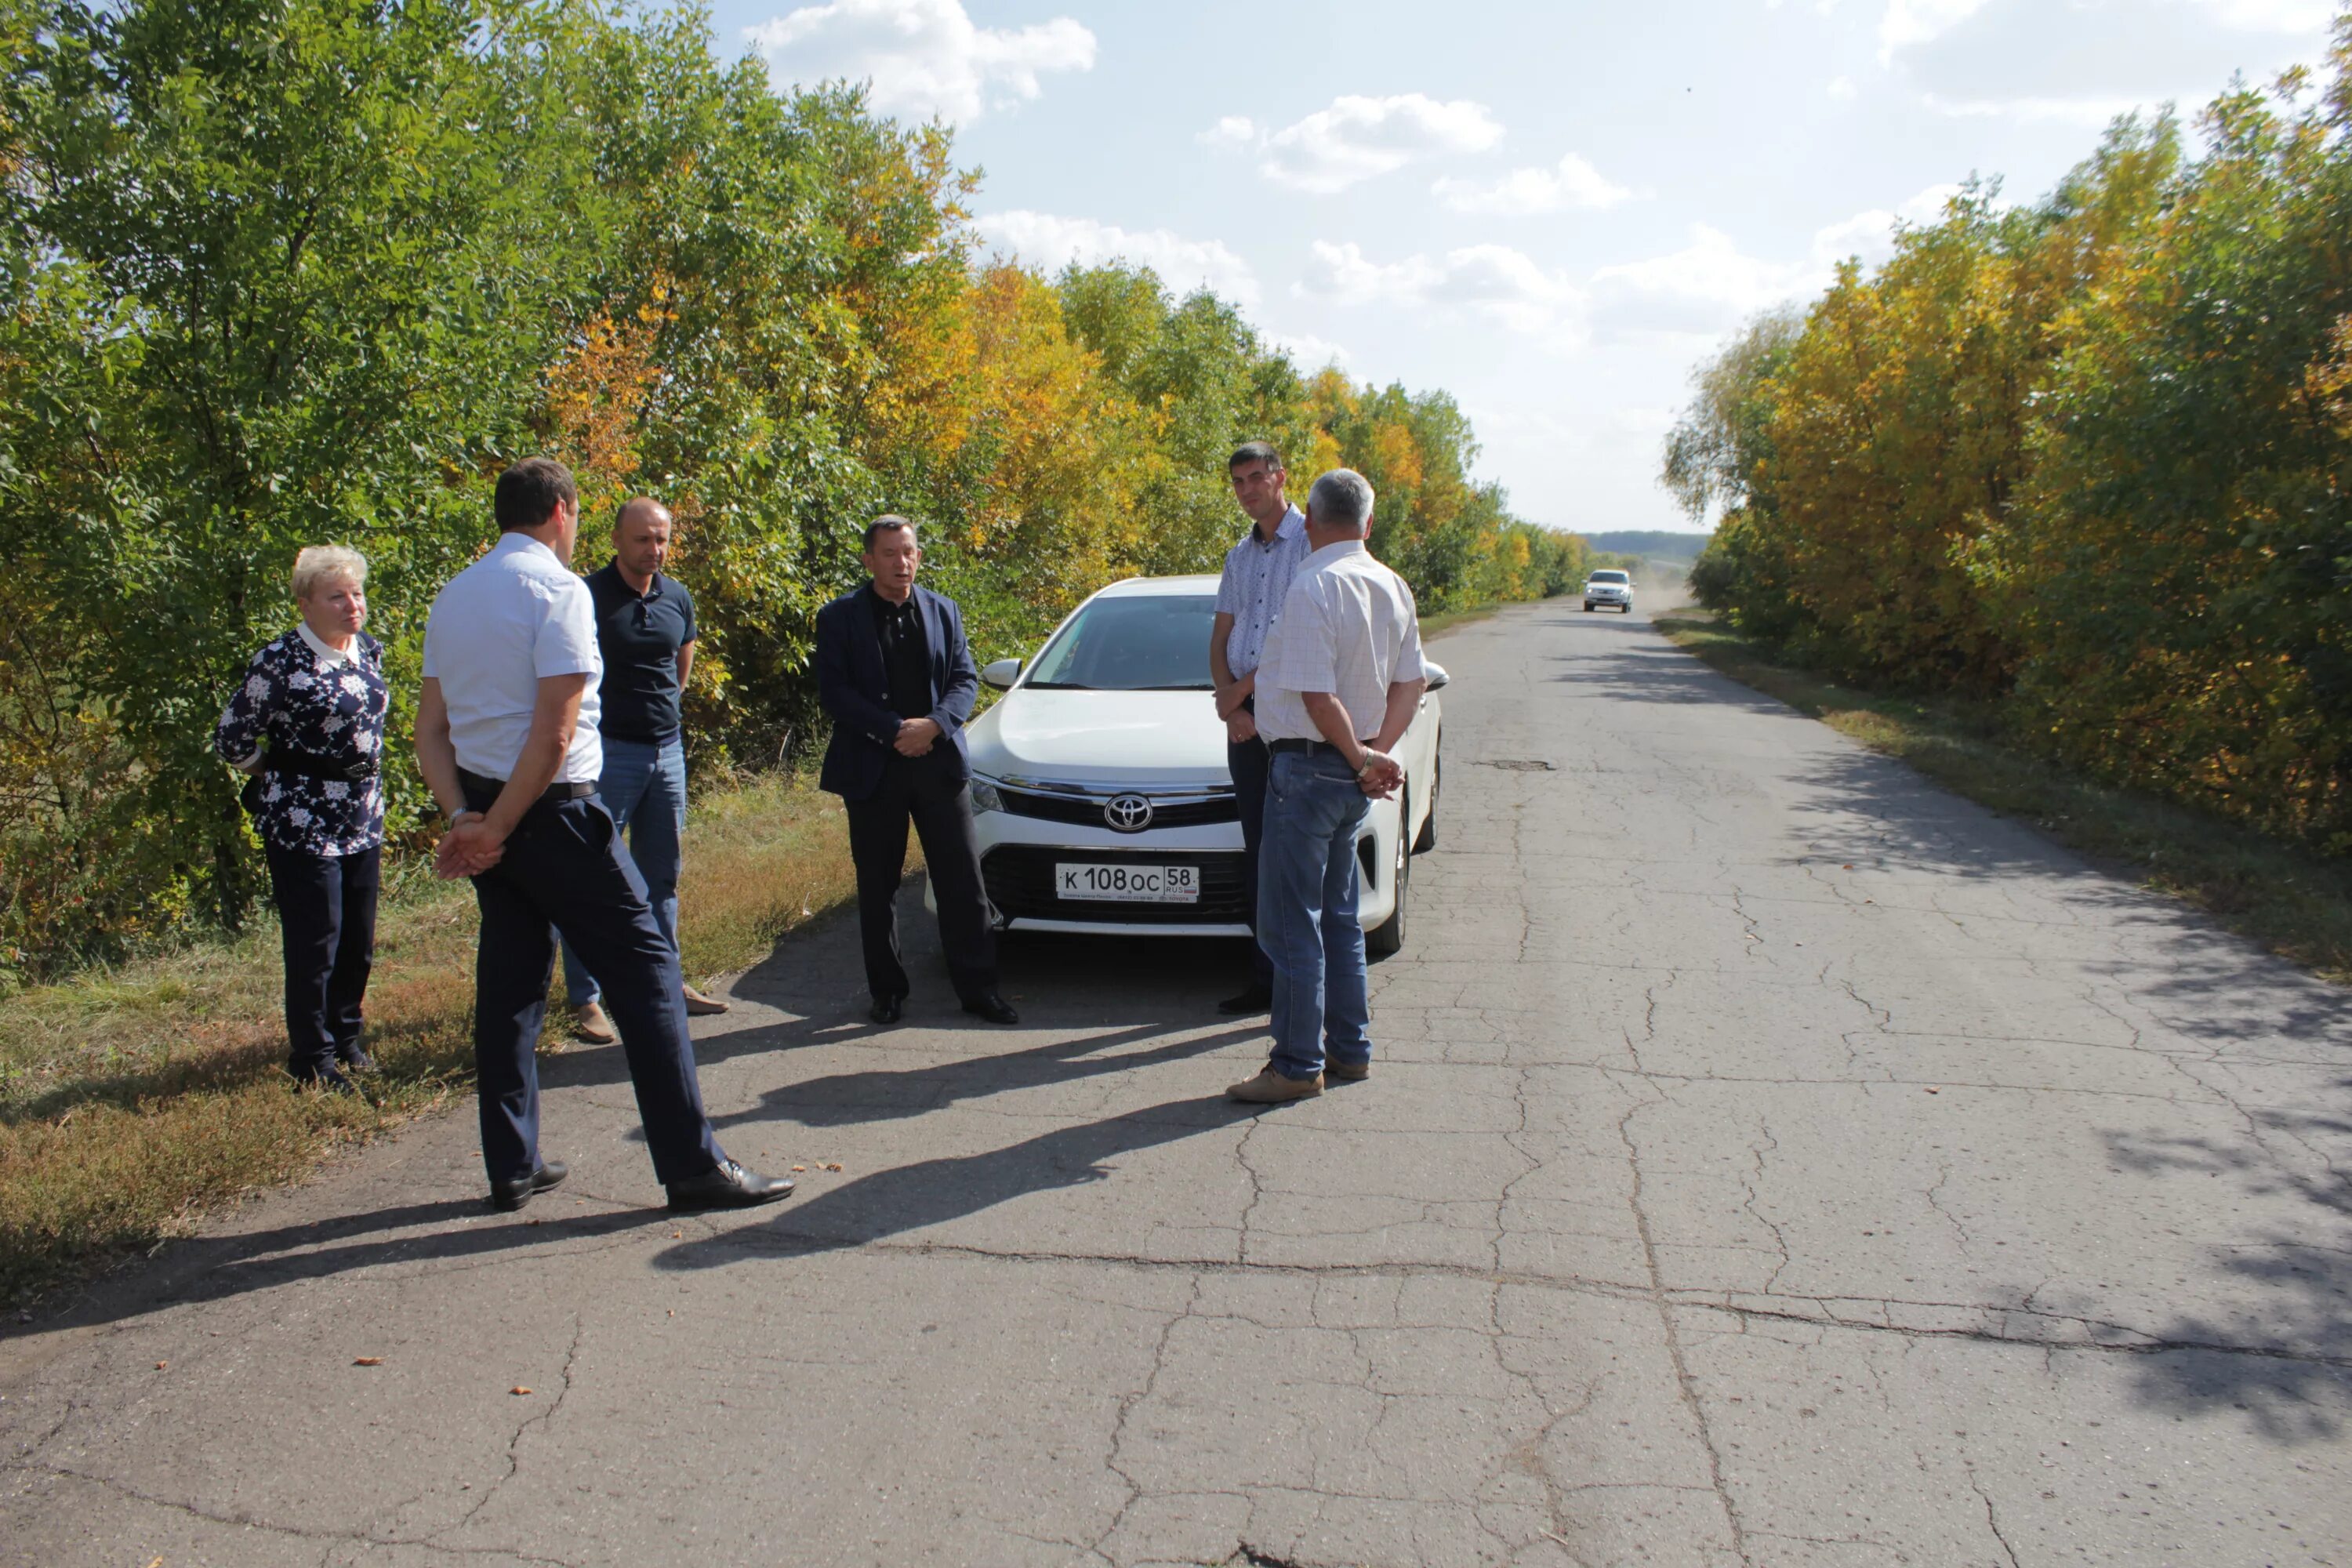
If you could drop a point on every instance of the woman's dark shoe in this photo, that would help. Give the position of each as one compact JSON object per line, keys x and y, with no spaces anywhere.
{"x":727,"y":1185}
{"x":988,"y":1005}
{"x":886,"y":1009}
{"x":509,"y":1195}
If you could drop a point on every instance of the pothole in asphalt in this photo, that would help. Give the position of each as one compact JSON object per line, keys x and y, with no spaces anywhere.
{"x":1516,"y":764}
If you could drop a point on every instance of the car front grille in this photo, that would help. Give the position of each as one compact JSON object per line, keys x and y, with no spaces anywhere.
{"x":1087,"y":810}
{"x":1020,"y":879}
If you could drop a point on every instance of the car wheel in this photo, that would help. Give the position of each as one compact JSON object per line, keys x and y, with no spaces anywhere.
{"x":1588,"y":606}
{"x":1386,"y":939}
{"x":1426,"y":840}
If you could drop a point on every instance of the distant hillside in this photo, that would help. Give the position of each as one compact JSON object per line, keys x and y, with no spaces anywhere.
{"x":1652,"y":543}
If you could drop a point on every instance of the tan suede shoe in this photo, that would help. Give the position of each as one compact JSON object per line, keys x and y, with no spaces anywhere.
{"x":699,"y":1005}
{"x":1270,"y":1088}
{"x":1348,"y":1072}
{"x":590,"y":1024}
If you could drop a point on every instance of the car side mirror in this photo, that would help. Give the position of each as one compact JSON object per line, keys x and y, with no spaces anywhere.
{"x":1003,"y":673}
{"x":1436,"y":673}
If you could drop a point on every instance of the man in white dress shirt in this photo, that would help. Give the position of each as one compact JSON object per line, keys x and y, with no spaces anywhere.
{"x":1339,"y":683}
{"x":507,"y":738}
{"x":1257,"y":575}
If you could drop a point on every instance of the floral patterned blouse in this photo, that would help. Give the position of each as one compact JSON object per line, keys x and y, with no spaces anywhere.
{"x":303,"y":699}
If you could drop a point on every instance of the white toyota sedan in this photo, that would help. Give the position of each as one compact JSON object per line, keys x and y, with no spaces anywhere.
{"x":1100,"y":793}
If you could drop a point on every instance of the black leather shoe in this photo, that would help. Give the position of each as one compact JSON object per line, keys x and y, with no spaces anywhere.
{"x":328,"y":1080}
{"x":885,"y":1009}
{"x":509,"y":1196}
{"x":988,"y":1005}
{"x":354,"y":1058}
{"x":1257,"y":999}
{"x":727,"y":1185}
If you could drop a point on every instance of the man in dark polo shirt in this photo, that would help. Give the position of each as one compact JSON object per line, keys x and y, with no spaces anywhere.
{"x":645,"y":629}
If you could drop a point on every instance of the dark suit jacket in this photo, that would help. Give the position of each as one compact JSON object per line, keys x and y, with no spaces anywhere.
{"x":855,"y":689}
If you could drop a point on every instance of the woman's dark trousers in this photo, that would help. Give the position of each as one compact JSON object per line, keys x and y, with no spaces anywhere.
{"x":325,"y":915}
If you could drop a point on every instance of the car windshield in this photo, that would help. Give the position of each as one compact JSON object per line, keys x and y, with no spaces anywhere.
{"x":1617,"y":578}
{"x":1146,"y":642}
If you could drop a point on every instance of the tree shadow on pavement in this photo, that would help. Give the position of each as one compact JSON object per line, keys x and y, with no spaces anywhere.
{"x":934,"y":1192}
{"x":2291,"y":1373}
{"x":2270,"y":1334}
{"x":1654,"y":671}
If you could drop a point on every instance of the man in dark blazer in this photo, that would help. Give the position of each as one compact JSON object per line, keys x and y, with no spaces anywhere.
{"x":896,"y":675}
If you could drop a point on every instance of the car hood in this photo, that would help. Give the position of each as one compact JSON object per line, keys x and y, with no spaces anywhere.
{"x":1101,"y":737}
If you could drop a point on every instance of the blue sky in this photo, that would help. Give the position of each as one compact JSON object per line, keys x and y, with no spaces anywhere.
{"x":1553,"y":211}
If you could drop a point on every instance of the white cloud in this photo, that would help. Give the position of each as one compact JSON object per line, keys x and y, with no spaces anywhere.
{"x":2274,"y":16}
{"x":1046,"y":241}
{"x":1871,"y":235}
{"x":1909,"y":22}
{"x":1708,"y":287}
{"x":2085,"y":61}
{"x":1309,"y":353}
{"x":1571,"y":183}
{"x":1358,"y":139}
{"x":1492,"y":282}
{"x":1842,"y":89}
{"x":924,"y":57}
{"x":1233,"y":130}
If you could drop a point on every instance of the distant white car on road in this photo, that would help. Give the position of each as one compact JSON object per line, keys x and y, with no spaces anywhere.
{"x":1609,"y":588}
{"x":1100,"y":790}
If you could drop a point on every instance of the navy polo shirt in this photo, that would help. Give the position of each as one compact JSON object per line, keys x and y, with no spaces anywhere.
{"x":640,"y":637}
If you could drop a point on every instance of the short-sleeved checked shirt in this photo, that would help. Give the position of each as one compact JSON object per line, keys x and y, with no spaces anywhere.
{"x":1349,"y":628}
{"x":1256,"y":581}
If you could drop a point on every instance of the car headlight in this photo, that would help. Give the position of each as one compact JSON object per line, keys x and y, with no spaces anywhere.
{"x":984,"y":796}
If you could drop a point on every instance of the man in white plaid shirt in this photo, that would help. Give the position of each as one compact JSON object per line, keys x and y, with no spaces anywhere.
{"x":1339,"y":683}
{"x":1258,"y":571}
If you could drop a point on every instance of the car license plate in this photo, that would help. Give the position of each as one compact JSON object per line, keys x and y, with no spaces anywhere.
{"x":1129,"y":884}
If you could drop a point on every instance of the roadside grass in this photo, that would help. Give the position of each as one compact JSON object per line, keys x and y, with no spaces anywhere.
{"x":135,"y":1100}
{"x":2291,"y":901}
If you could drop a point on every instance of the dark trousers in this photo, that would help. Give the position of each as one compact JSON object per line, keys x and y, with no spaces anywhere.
{"x":326,"y":917}
{"x":1247,"y":764}
{"x":926,"y":790}
{"x":565,"y":867}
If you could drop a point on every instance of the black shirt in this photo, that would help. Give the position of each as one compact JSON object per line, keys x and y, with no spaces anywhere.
{"x":640,"y":637}
{"x":906,"y":655}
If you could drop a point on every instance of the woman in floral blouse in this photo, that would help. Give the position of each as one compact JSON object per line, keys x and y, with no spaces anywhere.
{"x":308,"y":723}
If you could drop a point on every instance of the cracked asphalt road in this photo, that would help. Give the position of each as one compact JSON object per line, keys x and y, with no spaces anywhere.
{"x":1770,"y":1160}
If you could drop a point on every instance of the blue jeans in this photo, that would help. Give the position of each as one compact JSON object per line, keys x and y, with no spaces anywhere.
{"x":1307,"y":918}
{"x":643,"y":787}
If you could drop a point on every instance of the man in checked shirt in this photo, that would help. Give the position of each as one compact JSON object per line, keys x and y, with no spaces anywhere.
{"x":1257,"y":577}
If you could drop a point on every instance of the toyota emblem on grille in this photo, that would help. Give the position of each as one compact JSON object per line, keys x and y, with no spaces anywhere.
{"x":1128,"y":812}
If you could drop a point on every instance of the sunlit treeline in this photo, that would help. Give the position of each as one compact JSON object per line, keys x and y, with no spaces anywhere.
{"x":2090,"y":457}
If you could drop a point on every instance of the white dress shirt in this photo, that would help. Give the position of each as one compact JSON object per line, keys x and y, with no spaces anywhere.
{"x":1257,"y":578}
{"x":497,"y":629}
{"x":1348,"y":627}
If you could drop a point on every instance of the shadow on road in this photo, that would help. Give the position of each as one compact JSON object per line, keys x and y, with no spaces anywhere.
{"x":2286,"y":1357}
{"x":1117,"y":1005}
{"x":2291,"y":1373}
{"x":933,"y":1192}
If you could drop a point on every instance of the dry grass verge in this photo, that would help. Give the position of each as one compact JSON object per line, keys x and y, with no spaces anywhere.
{"x":135,"y":1100}
{"x":2292,"y":902}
